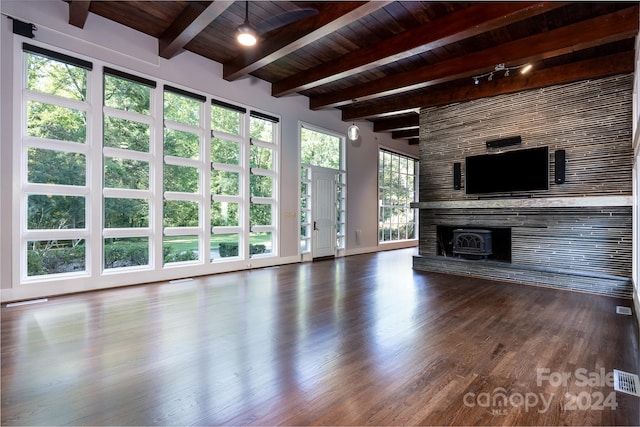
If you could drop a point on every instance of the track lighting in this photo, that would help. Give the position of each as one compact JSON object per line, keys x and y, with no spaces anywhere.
{"x":499,"y":68}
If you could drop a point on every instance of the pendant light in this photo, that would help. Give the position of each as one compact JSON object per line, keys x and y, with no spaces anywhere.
{"x":353,"y":133}
{"x":245,"y":33}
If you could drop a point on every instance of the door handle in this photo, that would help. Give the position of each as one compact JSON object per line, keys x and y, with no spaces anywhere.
{"x":315,"y":227}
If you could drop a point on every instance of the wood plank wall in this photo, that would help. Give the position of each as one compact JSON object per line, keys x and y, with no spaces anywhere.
{"x":592,"y":121}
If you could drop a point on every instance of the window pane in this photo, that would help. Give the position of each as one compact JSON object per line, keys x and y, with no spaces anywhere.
{"x":397,"y":191}
{"x":126,"y":213}
{"x":181,"y":178}
{"x":55,"y":256}
{"x":225,"y":120}
{"x":56,"y":77}
{"x":224,"y":245}
{"x":126,"y":252}
{"x":261,"y":157}
{"x":260,"y":243}
{"x":180,"y":248}
{"x":125,"y":134}
{"x":181,"y":144}
{"x":181,"y":109}
{"x":320,"y":149}
{"x":126,"y":95}
{"x":261,"y":129}
{"x":261,"y":186}
{"x":126,"y":173}
{"x":225,"y":183}
{"x":225,"y":151}
{"x":56,"y":167}
{"x":224,"y":214}
{"x":55,"y":122}
{"x":178,"y":213}
{"x":45,"y":212}
{"x":260,"y":214}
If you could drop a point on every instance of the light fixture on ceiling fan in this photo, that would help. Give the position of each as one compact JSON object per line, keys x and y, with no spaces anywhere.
{"x":246,"y":34}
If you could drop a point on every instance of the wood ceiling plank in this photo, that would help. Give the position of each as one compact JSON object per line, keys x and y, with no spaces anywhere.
{"x":78,"y":12}
{"x":604,"y":29}
{"x":193,"y":19}
{"x":618,"y":63}
{"x":295,"y":36}
{"x":405,"y":134}
{"x":397,"y":123}
{"x":465,"y":23}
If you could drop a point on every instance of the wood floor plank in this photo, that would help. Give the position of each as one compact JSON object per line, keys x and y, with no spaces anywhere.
{"x":361,"y":340}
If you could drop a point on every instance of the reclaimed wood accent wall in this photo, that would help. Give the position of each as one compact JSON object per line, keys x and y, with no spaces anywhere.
{"x":588,"y":248}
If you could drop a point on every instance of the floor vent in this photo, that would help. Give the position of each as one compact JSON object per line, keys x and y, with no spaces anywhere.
{"x":33,"y":301}
{"x":187,"y":279}
{"x":626,"y":382}
{"x":623,"y":310}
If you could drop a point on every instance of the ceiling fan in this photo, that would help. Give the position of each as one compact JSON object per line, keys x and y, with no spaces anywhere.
{"x":248,"y":34}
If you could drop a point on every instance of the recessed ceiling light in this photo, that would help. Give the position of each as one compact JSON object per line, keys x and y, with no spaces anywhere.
{"x":526,"y":69}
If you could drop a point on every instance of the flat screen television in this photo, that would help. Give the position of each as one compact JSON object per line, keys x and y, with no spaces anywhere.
{"x":508,"y":172}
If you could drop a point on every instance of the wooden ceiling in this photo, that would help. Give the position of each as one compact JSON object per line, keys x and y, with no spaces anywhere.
{"x":384,"y":60}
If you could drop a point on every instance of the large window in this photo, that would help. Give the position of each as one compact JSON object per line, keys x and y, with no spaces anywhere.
{"x":55,"y":151}
{"x":128,"y":169}
{"x":121,"y":176}
{"x":182,"y":176}
{"x":397,"y":188}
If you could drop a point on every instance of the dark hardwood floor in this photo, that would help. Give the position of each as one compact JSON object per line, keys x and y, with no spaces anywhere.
{"x":362,"y":340}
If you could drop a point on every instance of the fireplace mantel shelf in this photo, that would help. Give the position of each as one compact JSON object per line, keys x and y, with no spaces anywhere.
{"x":550,"y":202}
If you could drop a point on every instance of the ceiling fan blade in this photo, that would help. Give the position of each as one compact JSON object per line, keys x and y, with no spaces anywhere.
{"x":284,"y":19}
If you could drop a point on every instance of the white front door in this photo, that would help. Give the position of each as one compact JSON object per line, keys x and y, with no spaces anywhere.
{"x":323,"y":195}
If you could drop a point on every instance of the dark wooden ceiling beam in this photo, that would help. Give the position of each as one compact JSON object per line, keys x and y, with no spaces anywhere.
{"x":193,"y":19}
{"x":468,"y":22}
{"x":405,"y":134}
{"x":330,"y":18}
{"x":610,"y":65}
{"x":78,"y":12}
{"x":589,"y":33}
{"x":397,"y":123}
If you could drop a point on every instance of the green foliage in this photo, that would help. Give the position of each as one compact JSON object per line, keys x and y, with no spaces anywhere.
{"x":52,"y":257}
{"x":126,"y":95}
{"x":261,"y":129}
{"x":126,"y":213}
{"x":261,"y":157}
{"x":181,"y":108}
{"x":55,"y":122}
{"x":225,"y":183}
{"x":183,"y":179}
{"x":55,"y":212}
{"x":126,"y":134}
{"x":181,"y":144}
{"x":225,"y":120}
{"x":319,"y":149}
{"x":223,"y":151}
{"x":122,"y":253}
{"x":229,"y":249}
{"x":224,"y":214}
{"x":56,"y":78}
{"x":180,"y":213}
{"x":126,"y":173}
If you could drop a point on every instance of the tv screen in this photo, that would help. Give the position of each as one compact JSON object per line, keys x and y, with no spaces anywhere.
{"x":508,"y":172}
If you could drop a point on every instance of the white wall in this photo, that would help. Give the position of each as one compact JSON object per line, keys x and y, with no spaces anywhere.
{"x":107,"y":41}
